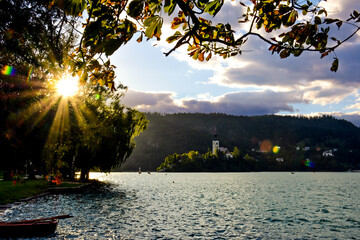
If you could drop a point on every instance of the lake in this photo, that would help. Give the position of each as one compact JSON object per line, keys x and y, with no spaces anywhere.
{"x":207,"y":206}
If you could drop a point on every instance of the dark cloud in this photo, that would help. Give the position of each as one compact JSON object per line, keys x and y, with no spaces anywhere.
{"x":265,"y":69}
{"x":240,"y":103}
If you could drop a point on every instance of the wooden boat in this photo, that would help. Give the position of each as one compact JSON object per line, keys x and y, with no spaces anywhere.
{"x":30,"y":228}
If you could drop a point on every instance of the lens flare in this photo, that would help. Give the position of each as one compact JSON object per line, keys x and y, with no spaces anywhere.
{"x":308,"y":163}
{"x":265,"y":146}
{"x":8,"y":71}
{"x":276,"y":149}
{"x":29,"y":74}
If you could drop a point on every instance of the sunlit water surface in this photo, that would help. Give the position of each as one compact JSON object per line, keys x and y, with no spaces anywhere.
{"x":207,"y":206}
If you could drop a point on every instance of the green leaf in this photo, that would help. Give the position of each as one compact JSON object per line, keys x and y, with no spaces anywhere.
{"x":335,"y":65}
{"x":356,"y":13}
{"x":112,"y":45}
{"x":323,"y":11}
{"x":213,"y":7}
{"x":72,"y":7}
{"x":284,"y":53}
{"x":135,"y":8}
{"x":202,"y":3}
{"x":297,"y":53}
{"x":292,"y":17}
{"x":169,"y":6}
{"x":339,"y":24}
{"x":92,"y":32}
{"x":127,"y":28}
{"x":153,"y":26}
{"x":317,"y":20}
{"x":174,"y":37}
{"x":330,"y":20}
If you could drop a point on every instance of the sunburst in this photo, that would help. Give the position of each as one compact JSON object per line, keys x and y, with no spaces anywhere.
{"x":67,"y":86}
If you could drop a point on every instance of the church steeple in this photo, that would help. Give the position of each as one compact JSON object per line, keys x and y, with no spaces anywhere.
{"x":215,"y":142}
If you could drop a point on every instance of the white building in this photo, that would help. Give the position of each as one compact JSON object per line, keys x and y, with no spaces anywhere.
{"x":216,"y":147}
{"x":328,"y":153}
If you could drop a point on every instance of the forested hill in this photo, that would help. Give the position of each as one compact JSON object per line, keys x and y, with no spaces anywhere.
{"x":181,"y":133}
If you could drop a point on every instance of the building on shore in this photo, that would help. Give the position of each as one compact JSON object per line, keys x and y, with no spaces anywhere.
{"x":216,"y":147}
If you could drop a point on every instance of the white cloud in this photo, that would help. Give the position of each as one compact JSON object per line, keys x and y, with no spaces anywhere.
{"x":236,"y":103}
{"x":280,"y":82}
{"x":353,"y":106}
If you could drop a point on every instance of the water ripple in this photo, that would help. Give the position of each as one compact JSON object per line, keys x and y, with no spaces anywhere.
{"x":207,"y":206}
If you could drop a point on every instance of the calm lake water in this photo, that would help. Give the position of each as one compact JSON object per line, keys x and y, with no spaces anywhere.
{"x":207,"y":206}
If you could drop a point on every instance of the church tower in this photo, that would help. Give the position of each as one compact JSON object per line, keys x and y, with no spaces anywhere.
{"x":215,"y":145}
{"x":215,"y":142}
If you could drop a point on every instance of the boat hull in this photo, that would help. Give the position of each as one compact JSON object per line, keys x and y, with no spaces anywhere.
{"x":28,"y":229}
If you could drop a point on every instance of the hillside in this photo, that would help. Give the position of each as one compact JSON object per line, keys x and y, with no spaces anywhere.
{"x":181,"y":133}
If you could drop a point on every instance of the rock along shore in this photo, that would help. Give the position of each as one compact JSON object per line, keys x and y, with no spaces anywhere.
{"x":53,"y":190}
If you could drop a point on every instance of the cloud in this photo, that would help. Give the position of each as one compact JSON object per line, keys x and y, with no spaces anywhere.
{"x":280,"y":83}
{"x":340,"y":9}
{"x":236,"y":103}
{"x":262,"y":70}
{"x":353,"y":106}
{"x":246,"y":103}
{"x":152,"y":102}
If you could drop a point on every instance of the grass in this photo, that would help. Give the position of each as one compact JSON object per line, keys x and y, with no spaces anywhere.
{"x":10,"y":193}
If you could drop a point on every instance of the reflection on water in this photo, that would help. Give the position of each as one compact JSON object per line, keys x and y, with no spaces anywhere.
{"x":207,"y":206}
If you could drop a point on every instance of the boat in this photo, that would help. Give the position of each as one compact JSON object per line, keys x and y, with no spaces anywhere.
{"x":30,"y":228}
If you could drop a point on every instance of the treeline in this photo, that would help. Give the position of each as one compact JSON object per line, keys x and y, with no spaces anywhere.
{"x":295,"y":160}
{"x":183,"y":133}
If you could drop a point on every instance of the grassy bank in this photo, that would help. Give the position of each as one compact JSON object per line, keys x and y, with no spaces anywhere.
{"x":10,"y":193}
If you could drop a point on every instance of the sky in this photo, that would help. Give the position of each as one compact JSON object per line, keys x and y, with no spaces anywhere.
{"x":254,"y":83}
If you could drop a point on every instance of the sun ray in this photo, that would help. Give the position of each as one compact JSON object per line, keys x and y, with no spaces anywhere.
{"x":83,"y":115}
{"x":60,"y":124}
{"x":43,"y":108}
{"x":37,"y":110}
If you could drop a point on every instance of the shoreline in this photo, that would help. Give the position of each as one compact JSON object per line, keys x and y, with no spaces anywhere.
{"x":52,"y":190}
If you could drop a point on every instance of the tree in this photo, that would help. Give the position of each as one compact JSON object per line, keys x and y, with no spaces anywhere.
{"x":98,"y":136}
{"x":34,"y":43}
{"x":37,"y":46}
{"x":110,"y":141}
{"x":301,"y":27}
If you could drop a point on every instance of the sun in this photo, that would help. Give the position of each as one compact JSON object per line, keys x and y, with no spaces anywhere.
{"x":67,"y":86}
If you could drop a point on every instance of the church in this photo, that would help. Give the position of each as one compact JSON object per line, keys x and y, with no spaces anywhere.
{"x":216,"y":147}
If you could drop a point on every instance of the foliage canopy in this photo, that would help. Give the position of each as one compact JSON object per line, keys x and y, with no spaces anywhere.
{"x":90,"y":130}
{"x":290,"y":27}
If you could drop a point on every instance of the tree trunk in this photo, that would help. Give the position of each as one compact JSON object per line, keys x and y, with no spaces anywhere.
{"x":31,"y":170}
{"x":84,"y":176}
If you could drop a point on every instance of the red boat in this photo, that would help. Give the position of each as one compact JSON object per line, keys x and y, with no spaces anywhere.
{"x":30,"y":228}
